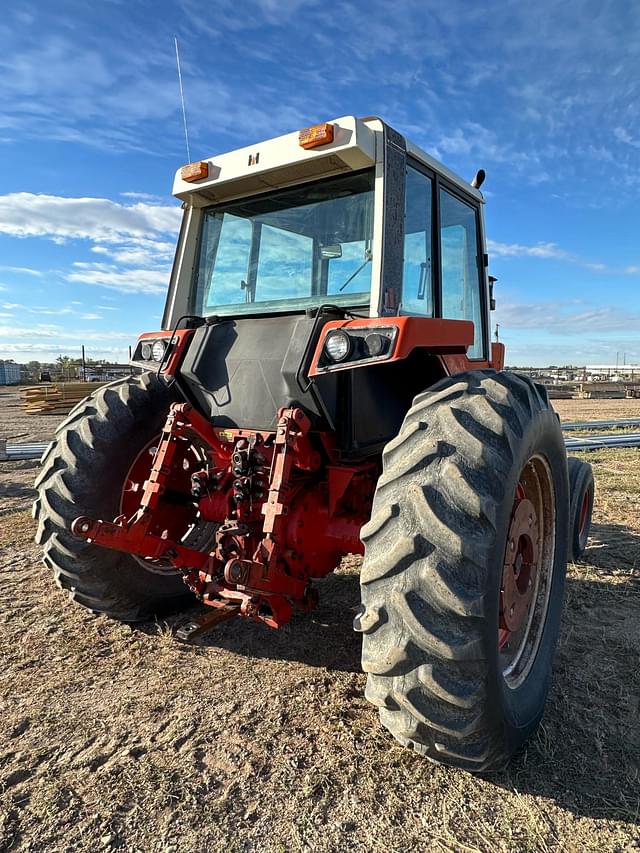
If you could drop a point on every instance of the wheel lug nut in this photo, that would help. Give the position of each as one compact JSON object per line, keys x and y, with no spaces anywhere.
{"x":511,"y":609}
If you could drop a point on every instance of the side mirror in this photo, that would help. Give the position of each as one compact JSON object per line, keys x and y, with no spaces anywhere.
{"x":331,"y":251}
{"x":492,"y":301}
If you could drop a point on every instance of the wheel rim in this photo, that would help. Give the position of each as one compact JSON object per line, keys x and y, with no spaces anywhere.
{"x":527,"y":571}
{"x":180,"y":520}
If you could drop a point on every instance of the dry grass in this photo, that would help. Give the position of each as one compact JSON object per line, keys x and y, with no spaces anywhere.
{"x":256,"y":740}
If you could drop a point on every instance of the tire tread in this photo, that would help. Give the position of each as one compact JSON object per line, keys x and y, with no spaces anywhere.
{"x":423,"y":609}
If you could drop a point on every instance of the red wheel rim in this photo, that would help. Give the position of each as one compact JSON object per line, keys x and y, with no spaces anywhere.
{"x":584,"y":512}
{"x":527,"y":571}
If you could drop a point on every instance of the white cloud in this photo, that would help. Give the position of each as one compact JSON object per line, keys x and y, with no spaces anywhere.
{"x":35,"y":309}
{"x":45,"y":341}
{"x":623,"y":135}
{"x":474,"y":140}
{"x":141,"y":251}
{"x":59,"y":333}
{"x":569,"y":319}
{"x":540,"y":250}
{"x":131,"y":236}
{"x":553,"y":252}
{"x":97,"y":219}
{"x":144,"y":197}
{"x":43,"y":310}
{"x":127,"y":281}
{"x":21,"y":270}
{"x":57,"y":81}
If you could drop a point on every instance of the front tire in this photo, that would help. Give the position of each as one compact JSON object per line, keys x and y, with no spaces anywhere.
{"x":479,"y":464}
{"x":83,"y":473}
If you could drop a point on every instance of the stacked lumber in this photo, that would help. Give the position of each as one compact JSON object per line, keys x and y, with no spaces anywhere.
{"x":602,"y":390}
{"x":55,"y":398}
{"x":558,"y":393}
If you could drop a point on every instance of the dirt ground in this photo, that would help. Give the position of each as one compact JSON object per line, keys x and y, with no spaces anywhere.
{"x":593,"y":410}
{"x":16,"y":478}
{"x":123,"y":738}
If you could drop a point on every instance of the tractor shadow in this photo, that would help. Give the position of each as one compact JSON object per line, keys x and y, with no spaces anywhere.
{"x":586,"y":753}
{"x":16,"y":482}
{"x":612,"y":546}
{"x":17,"y":490}
{"x":323,"y":638}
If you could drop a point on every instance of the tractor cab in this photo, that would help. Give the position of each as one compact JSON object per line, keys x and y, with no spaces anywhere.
{"x":288,"y":245}
{"x":347,"y":213}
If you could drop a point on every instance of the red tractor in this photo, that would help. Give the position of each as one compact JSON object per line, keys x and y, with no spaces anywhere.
{"x":324,"y":384}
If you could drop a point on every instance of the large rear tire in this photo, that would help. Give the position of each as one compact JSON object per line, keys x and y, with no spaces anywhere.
{"x":83,"y":473}
{"x":472,"y":503}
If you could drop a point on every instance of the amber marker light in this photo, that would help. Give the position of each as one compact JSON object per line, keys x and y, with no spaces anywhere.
{"x":195,"y":171}
{"x":318,"y":134}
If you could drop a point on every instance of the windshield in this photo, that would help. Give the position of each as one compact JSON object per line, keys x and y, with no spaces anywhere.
{"x":288,"y":250}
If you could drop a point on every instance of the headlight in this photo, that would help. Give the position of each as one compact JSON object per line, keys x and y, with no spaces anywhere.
{"x":337,"y":346}
{"x":355,"y":345}
{"x":146,"y":351}
{"x":158,"y":350}
{"x":376,"y":344}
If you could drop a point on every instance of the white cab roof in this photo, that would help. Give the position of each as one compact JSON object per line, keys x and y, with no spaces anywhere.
{"x":281,"y":161}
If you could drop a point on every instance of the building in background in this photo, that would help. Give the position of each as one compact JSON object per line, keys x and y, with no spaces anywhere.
{"x":586,"y":373}
{"x":9,"y":373}
{"x":613,"y":372}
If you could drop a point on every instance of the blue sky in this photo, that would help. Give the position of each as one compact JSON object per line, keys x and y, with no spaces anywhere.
{"x":545,"y":96}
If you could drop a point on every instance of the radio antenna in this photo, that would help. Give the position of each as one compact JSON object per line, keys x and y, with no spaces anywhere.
{"x":184,"y":111}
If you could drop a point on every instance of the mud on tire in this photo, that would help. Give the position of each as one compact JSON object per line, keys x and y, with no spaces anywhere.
{"x":432,"y":570}
{"x":83,"y":471}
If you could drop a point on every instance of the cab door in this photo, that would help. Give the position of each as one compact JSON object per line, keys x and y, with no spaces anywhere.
{"x":462,"y":270}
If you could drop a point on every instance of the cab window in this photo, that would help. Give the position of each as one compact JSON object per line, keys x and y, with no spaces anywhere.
{"x":285,"y":265}
{"x":461,"y":268}
{"x":417,"y":270}
{"x":288,"y":250}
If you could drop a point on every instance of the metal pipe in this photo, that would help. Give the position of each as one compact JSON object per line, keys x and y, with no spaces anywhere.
{"x":587,"y":425}
{"x":33,"y":450}
{"x":597,"y":442}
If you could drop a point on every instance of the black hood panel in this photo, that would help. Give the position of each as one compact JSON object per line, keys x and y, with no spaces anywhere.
{"x":241,"y":371}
